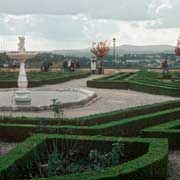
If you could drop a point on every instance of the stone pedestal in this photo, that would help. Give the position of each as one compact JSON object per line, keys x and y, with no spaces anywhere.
{"x":22,"y":95}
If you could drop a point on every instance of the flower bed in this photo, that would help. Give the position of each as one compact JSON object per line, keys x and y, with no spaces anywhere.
{"x":149,"y":158}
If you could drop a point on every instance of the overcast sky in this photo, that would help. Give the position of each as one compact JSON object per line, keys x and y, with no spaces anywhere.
{"x":66,"y":24}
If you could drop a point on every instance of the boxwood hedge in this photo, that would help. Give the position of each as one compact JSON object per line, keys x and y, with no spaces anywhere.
{"x":127,"y":126}
{"x":149,"y":82}
{"x":151,"y":165}
{"x":169,"y":130}
{"x":39,"y":78}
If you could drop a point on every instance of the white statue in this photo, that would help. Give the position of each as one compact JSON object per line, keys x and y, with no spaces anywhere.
{"x":21,"y":44}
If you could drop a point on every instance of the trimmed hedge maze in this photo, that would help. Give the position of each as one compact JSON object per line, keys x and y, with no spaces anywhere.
{"x":143,"y":81}
{"x":145,"y":132}
{"x":150,"y":161}
{"x":9,"y":79}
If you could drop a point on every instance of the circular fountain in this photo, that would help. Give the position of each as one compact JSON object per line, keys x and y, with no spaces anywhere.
{"x":41,"y":100}
{"x":22,"y":96}
{"x":22,"y":99}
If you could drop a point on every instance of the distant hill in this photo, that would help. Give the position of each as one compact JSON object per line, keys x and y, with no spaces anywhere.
{"x":76,"y":52}
{"x":145,"y":49}
{"x":124,"y":49}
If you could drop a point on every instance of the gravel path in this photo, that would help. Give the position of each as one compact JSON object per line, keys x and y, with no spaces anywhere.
{"x":108,"y":100}
{"x":174,"y":165}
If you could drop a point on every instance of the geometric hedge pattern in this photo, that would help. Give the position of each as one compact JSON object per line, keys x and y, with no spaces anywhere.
{"x":144,"y":81}
{"x":140,"y":127}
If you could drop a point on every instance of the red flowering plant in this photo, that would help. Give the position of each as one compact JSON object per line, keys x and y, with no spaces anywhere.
{"x":100,"y":50}
{"x":177,"y":50}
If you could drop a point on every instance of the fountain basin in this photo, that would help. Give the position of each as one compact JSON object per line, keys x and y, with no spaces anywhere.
{"x":41,"y":100}
{"x":21,"y":56}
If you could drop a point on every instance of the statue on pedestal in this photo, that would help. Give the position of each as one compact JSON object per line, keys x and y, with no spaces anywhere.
{"x":21,"y":44}
{"x":22,"y":95}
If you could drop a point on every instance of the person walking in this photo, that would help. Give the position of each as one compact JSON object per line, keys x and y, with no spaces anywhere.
{"x":93,"y":66}
{"x":72,"y":66}
{"x":69,"y":65}
{"x":77,"y":65}
{"x":99,"y":66}
{"x":14,"y":65}
{"x":65,"y":66}
{"x":165,"y":67}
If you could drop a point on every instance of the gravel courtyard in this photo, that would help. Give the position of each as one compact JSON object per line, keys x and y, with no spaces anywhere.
{"x":107,"y":100}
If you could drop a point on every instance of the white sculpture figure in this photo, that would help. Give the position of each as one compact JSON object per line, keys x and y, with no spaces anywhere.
{"x":21,"y":44}
{"x":22,"y":79}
